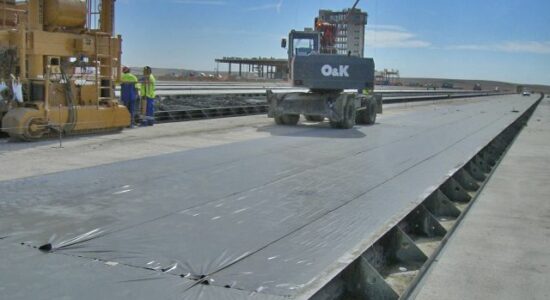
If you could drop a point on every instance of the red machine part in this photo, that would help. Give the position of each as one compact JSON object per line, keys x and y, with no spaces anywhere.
{"x":328,"y":36}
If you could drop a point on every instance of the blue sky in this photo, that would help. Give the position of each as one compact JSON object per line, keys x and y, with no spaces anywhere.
{"x":506,"y":40}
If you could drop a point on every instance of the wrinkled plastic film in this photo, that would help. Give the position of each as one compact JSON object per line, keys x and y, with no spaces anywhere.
{"x":264,"y":219}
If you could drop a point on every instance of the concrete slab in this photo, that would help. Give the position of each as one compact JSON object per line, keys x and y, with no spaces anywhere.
{"x":502,"y":248}
{"x":19,"y":160}
{"x":280,"y":215}
{"x":28,"y":159}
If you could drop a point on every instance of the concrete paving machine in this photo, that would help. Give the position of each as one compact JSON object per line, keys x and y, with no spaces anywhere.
{"x":315,"y":64}
{"x":59,"y":61}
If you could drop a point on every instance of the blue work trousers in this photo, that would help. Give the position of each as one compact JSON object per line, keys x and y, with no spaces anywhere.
{"x":149,"y":119}
{"x":128,"y":95}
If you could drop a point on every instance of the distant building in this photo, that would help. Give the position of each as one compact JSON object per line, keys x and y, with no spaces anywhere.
{"x":351,"y":30}
{"x":387,"y":77}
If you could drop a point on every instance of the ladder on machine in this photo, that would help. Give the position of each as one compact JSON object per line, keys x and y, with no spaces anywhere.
{"x":104,"y":60}
{"x":104,"y":71}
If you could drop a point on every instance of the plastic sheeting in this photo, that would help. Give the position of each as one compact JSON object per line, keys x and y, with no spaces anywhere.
{"x":29,"y":274}
{"x":3,"y":87}
{"x":17,"y":91}
{"x":262,"y":219}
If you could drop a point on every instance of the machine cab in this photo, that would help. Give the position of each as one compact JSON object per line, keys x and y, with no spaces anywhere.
{"x":302,"y":43}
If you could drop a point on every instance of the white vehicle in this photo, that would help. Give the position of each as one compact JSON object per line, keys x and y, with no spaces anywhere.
{"x":526,"y":93}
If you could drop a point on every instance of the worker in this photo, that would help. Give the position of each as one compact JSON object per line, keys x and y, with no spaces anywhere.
{"x":129,"y":92}
{"x":148,"y":95}
{"x":366,"y":91}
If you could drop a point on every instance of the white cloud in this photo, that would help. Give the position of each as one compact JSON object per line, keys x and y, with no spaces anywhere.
{"x":468,"y":47}
{"x":376,"y":27}
{"x":277,"y":6}
{"x":392,"y":36}
{"x":201,"y":2}
{"x":535,"y":47}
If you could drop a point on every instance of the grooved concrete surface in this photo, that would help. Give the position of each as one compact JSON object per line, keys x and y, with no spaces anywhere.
{"x":502,"y":248}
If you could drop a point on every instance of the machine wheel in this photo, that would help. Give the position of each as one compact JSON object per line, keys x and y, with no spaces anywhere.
{"x":368,"y":115}
{"x":35,"y":129}
{"x":287,"y":119}
{"x":314,"y":118}
{"x":348,"y":120}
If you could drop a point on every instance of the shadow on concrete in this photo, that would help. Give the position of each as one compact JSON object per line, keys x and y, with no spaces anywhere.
{"x":316,"y":130}
{"x":8,"y":144}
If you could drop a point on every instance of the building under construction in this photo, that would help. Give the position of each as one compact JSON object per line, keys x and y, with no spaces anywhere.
{"x":387,"y":77}
{"x":347,"y":27}
{"x":350,"y":35}
{"x":268,"y":68}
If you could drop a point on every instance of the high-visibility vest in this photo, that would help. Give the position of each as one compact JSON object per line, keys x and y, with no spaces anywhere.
{"x":128,"y":78}
{"x":148,"y":87}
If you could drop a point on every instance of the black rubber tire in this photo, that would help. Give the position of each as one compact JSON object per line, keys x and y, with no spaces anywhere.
{"x":348,"y":120}
{"x":368,"y":115}
{"x":287,"y":119}
{"x":279,"y":120}
{"x":314,"y":118}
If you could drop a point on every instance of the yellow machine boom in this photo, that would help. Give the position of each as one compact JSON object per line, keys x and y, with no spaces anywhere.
{"x":59,"y":61}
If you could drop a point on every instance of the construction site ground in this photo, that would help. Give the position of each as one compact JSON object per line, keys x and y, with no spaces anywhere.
{"x":270,"y":212}
{"x":30,"y":159}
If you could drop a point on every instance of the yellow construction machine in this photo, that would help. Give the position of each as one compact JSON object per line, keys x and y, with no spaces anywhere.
{"x":59,"y":62}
